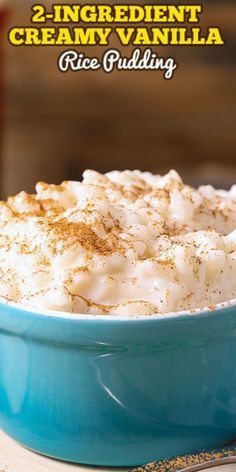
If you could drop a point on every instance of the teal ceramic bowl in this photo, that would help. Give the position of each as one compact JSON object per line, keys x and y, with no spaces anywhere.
{"x":117,"y":392}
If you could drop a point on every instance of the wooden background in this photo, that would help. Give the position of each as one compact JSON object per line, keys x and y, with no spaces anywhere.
{"x":58,"y":124}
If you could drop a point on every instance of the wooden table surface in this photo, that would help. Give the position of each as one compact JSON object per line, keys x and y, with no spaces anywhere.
{"x":14,"y":458}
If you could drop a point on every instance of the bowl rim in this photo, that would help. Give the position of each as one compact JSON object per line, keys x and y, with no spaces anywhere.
{"x":212,"y":310}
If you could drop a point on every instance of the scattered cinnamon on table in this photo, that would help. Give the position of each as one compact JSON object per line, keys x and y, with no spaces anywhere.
{"x":180,"y":463}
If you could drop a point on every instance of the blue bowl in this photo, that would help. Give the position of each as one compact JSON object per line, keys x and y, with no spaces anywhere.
{"x":117,"y":392}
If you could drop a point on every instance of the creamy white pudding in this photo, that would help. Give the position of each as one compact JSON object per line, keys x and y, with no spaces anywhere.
{"x":125,"y":243}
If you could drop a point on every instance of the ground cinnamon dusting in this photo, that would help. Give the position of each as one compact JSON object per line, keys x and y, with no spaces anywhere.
{"x":179,"y":464}
{"x":72,"y":233}
{"x":123,"y":243}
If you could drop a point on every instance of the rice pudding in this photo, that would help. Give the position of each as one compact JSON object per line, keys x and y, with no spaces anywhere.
{"x":123,"y":243}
